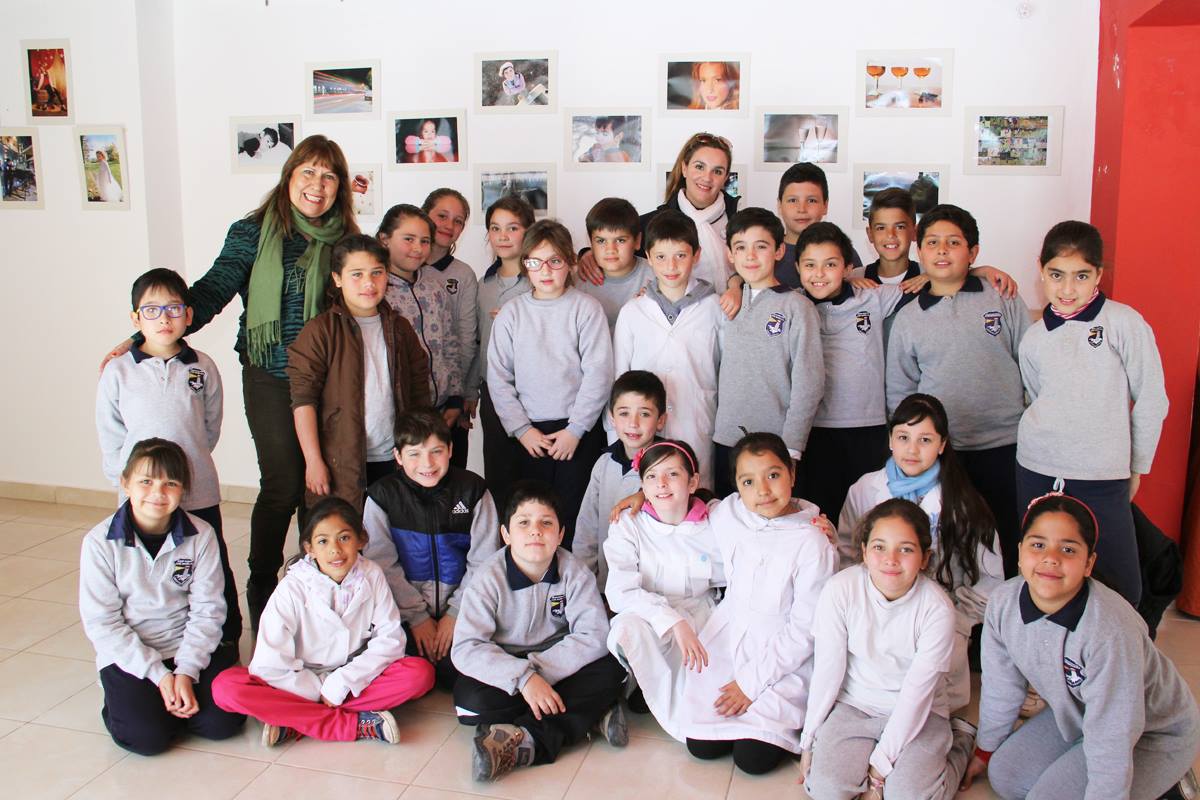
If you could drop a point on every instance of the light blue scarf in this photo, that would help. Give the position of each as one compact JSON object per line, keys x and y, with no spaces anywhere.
{"x":911,"y":488}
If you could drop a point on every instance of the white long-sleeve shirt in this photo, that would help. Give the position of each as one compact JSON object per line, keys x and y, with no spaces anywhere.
{"x":318,"y":638}
{"x":883,"y":657}
{"x":139,"y":610}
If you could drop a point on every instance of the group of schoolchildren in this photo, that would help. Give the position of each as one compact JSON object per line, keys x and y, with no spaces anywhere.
{"x":593,"y":571}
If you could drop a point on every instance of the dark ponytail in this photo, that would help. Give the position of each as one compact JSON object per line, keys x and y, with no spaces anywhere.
{"x":965,"y":521}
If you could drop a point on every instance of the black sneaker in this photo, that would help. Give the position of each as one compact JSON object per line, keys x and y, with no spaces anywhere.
{"x":637,"y":702}
{"x":613,"y":727}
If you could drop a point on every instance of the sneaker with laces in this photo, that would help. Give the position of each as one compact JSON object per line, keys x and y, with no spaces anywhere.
{"x":497,"y":751}
{"x":275,"y":735}
{"x":379,"y":725}
{"x":613,"y":726}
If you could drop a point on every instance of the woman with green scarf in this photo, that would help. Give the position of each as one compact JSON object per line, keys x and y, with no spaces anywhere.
{"x":277,"y":260}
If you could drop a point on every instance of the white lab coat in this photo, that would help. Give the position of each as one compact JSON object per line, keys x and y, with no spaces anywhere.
{"x":761,"y":633}
{"x":320,"y":639}
{"x":970,"y":600}
{"x":659,"y":575}
{"x":686,"y":356}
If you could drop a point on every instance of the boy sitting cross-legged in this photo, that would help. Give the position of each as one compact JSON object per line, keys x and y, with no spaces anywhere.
{"x":430,"y":527}
{"x":530,"y":646}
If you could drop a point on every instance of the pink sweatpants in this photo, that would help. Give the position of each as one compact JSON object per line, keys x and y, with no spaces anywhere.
{"x":238,"y":691}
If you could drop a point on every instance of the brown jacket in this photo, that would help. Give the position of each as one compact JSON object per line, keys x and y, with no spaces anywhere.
{"x":326,"y":369}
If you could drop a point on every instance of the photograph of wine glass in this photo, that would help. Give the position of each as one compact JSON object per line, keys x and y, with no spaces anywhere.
{"x":790,"y":134}
{"x":926,"y":182}
{"x":904,"y":82}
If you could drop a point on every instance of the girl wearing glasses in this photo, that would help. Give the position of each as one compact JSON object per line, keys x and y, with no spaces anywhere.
{"x":549,"y":370}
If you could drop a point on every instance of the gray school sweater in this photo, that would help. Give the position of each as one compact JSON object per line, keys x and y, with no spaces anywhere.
{"x":1106,"y":359}
{"x":772,"y":373}
{"x":494,"y":291}
{"x":1096,"y":668}
{"x":613,"y":478}
{"x":852,"y":343}
{"x":962,"y":349}
{"x":462,"y":289}
{"x":614,"y":293}
{"x":549,"y":360}
{"x":180,"y":399}
{"x":510,"y":627}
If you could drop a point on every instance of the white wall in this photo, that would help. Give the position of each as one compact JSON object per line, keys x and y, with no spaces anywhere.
{"x":241,"y":57}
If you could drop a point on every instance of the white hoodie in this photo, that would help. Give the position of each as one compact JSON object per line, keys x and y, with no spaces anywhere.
{"x":318,"y":638}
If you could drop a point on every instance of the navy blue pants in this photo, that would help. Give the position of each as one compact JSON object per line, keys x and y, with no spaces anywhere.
{"x":232,"y":630}
{"x":569,"y":479}
{"x":834,"y":459}
{"x":992,"y":474}
{"x":1116,"y":547}
{"x":138,"y":721}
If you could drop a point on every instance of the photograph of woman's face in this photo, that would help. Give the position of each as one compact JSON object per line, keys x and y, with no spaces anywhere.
{"x":712,"y":86}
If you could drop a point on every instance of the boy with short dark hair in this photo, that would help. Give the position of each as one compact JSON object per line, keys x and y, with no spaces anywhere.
{"x":958,"y":342}
{"x":772,"y":376}
{"x":162,"y":388}
{"x":673,"y":330}
{"x":891,"y":226}
{"x":614,"y":232}
{"x":803,"y":200}
{"x":637,"y":408}
{"x":430,"y":527}
{"x":531,"y":646}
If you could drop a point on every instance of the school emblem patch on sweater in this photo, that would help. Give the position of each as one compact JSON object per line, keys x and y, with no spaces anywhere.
{"x":452,"y":285}
{"x":1073,"y":672}
{"x":991,"y":323}
{"x":196,"y":378}
{"x":775,"y":324}
{"x":558,"y":605}
{"x":1096,"y":336}
{"x":182,"y":572}
{"x":863,"y":321}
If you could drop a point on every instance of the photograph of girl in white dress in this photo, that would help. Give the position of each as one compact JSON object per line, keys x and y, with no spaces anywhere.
{"x":102,"y":159}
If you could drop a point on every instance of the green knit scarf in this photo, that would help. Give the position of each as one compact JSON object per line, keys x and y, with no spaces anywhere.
{"x":264,"y":301}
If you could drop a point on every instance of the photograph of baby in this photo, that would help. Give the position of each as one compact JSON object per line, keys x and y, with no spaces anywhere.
{"x":599,"y":139}
{"x":704,"y":85}
{"x":904,"y":82}
{"x":102,"y":159}
{"x":262,"y":144}
{"x":516,"y":83}
{"x":364,"y":189}
{"x":430,"y":138}
{"x":49,"y":80}
{"x":925,"y":183}
{"x":792,"y":137}
{"x":347,"y":90}
{"x":20,"y":167}
{"x":533,"y":183}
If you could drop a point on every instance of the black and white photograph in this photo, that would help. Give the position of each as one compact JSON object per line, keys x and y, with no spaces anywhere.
{"x":709,"y":83}
{"x":428,"y":138}
{"x":20,"y":169}
{"x":262,"y":144}
{"x":342,"y":90}
{"x":515,"y":82}
{"x":606,"y":139}
{"x":533,"y":183}
{"x":926,"y":182}
{"x":790,"y":135}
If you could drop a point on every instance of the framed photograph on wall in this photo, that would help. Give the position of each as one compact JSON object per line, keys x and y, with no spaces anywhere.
{"x":364,"y":189}
{"x":337,"y":90}
{"x":927,"y":182}
{"x":428,"y":139}
{"x":607,"y":139}
{"x":534,"y":183}
{"x":1013,"y":140}
{"x":703,"y":83}
{"x":46,"y":70}
{"x":103,"y":173}
{"x":262,"y":144}
{"x":516,"y":82}
{"x":735,"y":185}
{"x":904,"y":83}
{"x":20,"y":169}
{"x":788,"y":135}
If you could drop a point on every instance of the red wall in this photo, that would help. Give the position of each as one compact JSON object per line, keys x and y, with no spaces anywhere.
{"x":1147,"y":169}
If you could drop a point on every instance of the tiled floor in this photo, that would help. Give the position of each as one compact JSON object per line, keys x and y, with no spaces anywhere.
{"x":53,"y":745}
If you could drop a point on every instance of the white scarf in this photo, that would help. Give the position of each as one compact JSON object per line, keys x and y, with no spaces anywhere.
{"x":714,"y":265}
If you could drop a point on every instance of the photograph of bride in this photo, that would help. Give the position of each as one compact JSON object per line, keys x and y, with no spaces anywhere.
{"x":102,"y":155}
